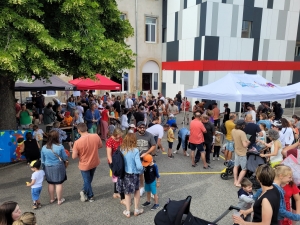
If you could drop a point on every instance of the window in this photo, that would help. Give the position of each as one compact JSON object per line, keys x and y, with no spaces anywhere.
{"x":155,"y":86}
{"x":150,"y":81}
{"x":174,"y":77}
{"x":150,"y":29}
{"x":164,"y":35}
{"x":246,"y":29}
{"x":297,"y":51}
{"x":123,"y":16}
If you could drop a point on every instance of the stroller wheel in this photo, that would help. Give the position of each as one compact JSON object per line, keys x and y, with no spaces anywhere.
{"x":224,"y":176}
{"x":230,"y":172}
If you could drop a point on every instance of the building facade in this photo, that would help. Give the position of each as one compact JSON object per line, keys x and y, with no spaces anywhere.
{"x":145,"y":17}
{"x":206,"y":39}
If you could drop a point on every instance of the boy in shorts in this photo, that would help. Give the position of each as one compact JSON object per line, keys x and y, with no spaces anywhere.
{"x":170,"y":137}
{"x":151,"y":180}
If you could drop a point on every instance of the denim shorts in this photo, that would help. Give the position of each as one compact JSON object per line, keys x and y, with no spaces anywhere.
{"x":229,"y":145}
{"x":35,"y":193}
{"x":199,"y":147}
{"x":155,"y":139}
{"x":151,"y":187}
{"x":240,"y":161}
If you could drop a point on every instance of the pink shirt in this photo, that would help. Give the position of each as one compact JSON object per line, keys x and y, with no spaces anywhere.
{"x":196,"y":132}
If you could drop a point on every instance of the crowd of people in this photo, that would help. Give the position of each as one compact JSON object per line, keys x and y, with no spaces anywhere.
{"x":136,"y":127}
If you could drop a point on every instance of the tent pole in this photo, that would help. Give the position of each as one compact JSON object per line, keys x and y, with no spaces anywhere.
{"x":240,"y":111}
{"x":184,"y":114}
{"x":294,"y":106}
{"x":21,"y":97}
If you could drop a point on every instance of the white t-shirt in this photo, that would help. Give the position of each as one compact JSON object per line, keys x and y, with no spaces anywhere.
{"x":79,"y":108}
{"x":128,"y":103}
{"x":156,"y":130}
{"x":288,"y":135}
{"x":253,"y":114}
{"x":38,"y":176}
{"x":38,"y":135}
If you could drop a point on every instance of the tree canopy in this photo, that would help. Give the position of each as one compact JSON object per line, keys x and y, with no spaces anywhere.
{"x":72,"y":37}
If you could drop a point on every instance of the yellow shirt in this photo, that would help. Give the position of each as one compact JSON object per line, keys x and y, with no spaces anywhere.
{"x":229,"y":124}
{"x":170,"y":134}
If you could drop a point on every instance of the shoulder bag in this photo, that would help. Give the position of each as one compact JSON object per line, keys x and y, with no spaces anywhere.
{"x":66,"y":163}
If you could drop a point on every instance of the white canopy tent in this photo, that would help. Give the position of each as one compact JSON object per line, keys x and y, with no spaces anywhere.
{"x":241,"y":88}
{"x":296,"y":88}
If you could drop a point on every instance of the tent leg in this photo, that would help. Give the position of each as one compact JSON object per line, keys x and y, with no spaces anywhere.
{"x":294,"y":106}
{"x":21,"y":97}
{"x":240,"y":111}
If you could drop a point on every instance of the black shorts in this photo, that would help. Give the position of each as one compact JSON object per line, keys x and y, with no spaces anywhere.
{"x":170,"y":144}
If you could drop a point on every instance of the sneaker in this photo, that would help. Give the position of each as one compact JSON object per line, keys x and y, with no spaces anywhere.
{"x":175,"y":152}
{"x":187,"y":154}
{"x":34,"y":206}
{"x":142,"y":191}
{"x":155,"y":206}
{"x":146,"y":204}
{"x":213,"y":158}
{"x":171,"y":156}
{"x":83,"y":196}
{"x":91,"y":199}
{"x":39,"y":205}
{"x":218,"y":158}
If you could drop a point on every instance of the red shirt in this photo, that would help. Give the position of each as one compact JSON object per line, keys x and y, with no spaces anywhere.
{"x":196,"y":132}
{"x":289,"y":191}
{"x":18,"y":107}
{"x":113,"y":144}
{"x":104,"y":115}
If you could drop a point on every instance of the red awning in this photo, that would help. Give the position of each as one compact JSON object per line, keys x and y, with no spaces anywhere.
{"x":101,"y":83}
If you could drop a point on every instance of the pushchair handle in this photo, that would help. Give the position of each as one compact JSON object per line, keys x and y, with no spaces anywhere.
{"x":234,"y":207}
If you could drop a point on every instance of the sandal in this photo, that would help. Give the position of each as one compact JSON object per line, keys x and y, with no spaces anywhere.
{"x":53,"y":200}
{"x":126,"y":213}
{"x":208,"y":167}
{"x":61,"y":201}
{"x":138,"y":212}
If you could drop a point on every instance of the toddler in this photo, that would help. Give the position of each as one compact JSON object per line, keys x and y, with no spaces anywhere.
{"x":36,"y":183}
{"x":170,"y":137}
{"x":245,"y":196}
{"x":217,"y":145}
{"x":151,"y":180}
{"x":38,"y":135}
{"x":68,"y":119}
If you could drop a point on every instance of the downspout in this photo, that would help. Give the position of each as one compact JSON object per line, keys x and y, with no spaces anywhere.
{"x":136,"y":47}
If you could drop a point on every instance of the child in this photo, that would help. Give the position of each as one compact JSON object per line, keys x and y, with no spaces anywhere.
{"x":36,"y":183}
{"x":112,"y":112}
{"x":124,"y":121}
{"x":151,"y":180}
{"x":259,"y":146}
{"x":245,"y":196}
{"x":80,"y":109}
{"x":111,"y":128}
{"x":68,"y":119}
{"x":170,"y":137}
{"x":38,"y":135}
{"x":217,"y":145}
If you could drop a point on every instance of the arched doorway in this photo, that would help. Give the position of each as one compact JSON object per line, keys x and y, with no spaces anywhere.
{"x":150,"y":75}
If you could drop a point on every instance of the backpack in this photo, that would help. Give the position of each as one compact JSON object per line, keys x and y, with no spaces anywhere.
{"x":118,"y":165}
{"x":223,"y":129}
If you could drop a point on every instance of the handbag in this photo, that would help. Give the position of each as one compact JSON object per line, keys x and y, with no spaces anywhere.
{"x":66,"y":163}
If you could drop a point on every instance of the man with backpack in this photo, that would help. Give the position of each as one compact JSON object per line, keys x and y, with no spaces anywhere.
{"x":229,"y":126}
{"x":86,"y":149}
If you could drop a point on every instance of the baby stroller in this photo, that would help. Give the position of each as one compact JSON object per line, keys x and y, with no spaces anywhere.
{"x":253,"y":161}
{"x":178,"y":213}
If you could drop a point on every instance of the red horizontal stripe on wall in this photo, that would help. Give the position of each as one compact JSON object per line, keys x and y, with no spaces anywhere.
{"x":226,"y":65}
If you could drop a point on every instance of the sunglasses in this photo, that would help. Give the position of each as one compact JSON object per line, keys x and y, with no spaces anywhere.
{"x":143,"y":128}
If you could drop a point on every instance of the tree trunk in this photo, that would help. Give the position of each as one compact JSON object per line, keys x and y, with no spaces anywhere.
{"x":7,"y":103}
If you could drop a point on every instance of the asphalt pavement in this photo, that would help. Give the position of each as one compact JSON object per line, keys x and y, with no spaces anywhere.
{"x":211,"y":195}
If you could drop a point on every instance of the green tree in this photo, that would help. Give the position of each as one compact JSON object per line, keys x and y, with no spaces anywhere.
{"x":73,"y":37}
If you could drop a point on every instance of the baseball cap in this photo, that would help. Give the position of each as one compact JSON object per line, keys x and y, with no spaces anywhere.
{"x":140,"y":124}
{"x":132,"y":126}
{"x":276,"y":123}
{"x":147,"y":159}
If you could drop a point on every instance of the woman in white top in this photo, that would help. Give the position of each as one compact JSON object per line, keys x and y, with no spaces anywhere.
{"x":276,"y":148}
{"x":287,"y":132}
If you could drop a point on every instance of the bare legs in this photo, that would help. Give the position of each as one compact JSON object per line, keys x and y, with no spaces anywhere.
{"x":51,"y":190}
{"x":238,"y":178}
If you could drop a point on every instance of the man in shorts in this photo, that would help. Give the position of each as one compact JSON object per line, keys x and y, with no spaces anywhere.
{"x":241,"y":143}
{"x":157,"y":131}
{"x":230,"y":125}
{"x":146,"y":145}
{"x":196,"y":140}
